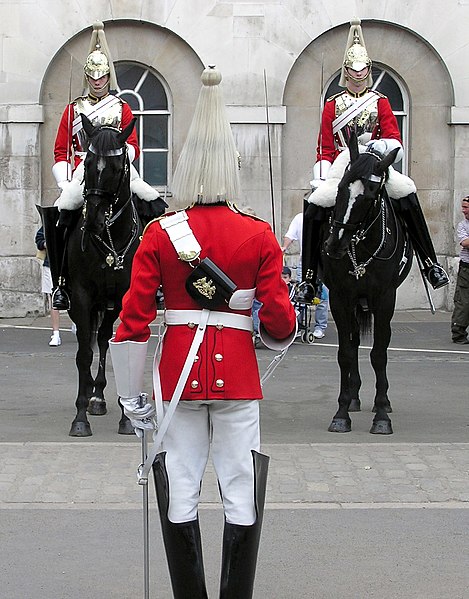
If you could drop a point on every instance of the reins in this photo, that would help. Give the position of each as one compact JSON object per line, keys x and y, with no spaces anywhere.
{"x":362,"y":229}
{"x":114,"y":257}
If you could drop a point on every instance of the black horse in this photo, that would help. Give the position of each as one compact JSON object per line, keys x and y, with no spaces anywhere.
{"x":100,"y":251}
{"x":366,"y":256}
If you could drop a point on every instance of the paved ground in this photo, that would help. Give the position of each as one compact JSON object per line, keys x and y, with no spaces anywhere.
{"x":348,"y":515}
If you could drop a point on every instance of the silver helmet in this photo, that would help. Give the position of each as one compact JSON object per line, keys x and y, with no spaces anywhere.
{"x":99,"y":62}
{"x":96,"y":65}
{"x":356,"y":57}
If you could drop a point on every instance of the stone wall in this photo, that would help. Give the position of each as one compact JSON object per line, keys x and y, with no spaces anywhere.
{"x":289,"y":42}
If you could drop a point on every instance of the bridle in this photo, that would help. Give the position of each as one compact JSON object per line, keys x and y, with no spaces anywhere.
{"x":114,"y":258}
{"x":110,"y":218}
{"x":362,"y":228}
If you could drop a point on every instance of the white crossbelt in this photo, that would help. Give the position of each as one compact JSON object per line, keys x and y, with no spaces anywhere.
{"x":215,"y":319}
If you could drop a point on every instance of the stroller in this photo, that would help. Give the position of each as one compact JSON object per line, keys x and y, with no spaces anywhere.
{"x":305,"y":306}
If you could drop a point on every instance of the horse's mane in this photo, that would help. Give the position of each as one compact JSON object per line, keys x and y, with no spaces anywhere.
{"x":105,"y":139}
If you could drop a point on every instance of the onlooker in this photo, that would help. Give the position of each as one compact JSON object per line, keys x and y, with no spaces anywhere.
{"x":460,"y":319}
{"x":295,"y":233}
{"x":286,"y":276}
{"x":40,"y":240}
{"x":320,"y":316}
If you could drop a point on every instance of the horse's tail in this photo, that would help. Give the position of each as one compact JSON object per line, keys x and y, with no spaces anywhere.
{"x":364,"y":318}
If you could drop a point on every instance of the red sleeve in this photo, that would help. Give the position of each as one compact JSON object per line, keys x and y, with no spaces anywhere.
{"x":63,"y":139}
{"x":387,"y":122}
{"x":276,"y":313}
{"x":127,"y":116}
{"x":139,"y":303}
{"x":329,"y":151}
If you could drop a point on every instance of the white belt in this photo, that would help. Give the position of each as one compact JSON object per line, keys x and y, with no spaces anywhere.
{"x":215,"y":319}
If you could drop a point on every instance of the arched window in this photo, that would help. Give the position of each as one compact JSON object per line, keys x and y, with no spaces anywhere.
{"x":387,"y":84}
{"x":148,"y":99}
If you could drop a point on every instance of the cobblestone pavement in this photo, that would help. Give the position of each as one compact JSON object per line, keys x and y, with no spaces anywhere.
{"x":355,"y":516}
{"x":325,"y":474}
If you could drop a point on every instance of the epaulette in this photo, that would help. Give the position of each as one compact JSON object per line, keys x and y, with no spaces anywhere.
{"x":237,"y":209}
{"x":378,"y":93}
{"x":335,"y":96}
{"x":78,"y":98}
{"x":155,"y":220}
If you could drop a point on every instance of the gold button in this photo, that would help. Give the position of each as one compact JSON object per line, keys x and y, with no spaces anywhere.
{"x":218,"y":357}
{"x":194,"y":384}
{"x":220,"y":383}
{"x":196,"y":359}
{"x":191,"y":325}
{"x":219,"y":326}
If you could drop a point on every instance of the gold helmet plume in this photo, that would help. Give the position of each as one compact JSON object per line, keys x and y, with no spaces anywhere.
{"x":356,"y":56}
{"x":99,"y":62}
{"x":207,"y":169}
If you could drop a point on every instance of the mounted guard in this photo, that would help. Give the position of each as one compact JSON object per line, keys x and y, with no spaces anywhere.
{"x":362,"y":110}
{"x":71,"y":145}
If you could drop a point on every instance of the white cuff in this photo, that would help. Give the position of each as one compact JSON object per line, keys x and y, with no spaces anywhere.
{"x":128,"y":361}
{"x":130,"y":152}
{"x":320,"y":170}
{"x":277,"y":344}
{"x":62,"y":171}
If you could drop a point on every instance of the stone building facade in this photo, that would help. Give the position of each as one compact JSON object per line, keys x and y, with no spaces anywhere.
{"x":287,"y":52}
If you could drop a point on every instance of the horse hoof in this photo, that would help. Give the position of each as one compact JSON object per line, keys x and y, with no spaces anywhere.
{"x":355,"y":406}
{"x":126,"y":428}
{"x":80,"y":429}
{"x":381,"y":427}
{"x":387,"y":409}
{"x":97,"y":406}
{"x":340,"y":425}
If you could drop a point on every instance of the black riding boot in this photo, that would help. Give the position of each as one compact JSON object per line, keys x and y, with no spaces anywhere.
{"x":181,"y":541}
{"x":55,"y":235}
{"x":411,"y":212}
{"x":241,"y":543}
{"x":313,"y":220}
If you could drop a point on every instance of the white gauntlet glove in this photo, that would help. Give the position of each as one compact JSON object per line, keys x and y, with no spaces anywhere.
{"x":140,"y":412}
{"x":320,"y":170}
{"x":385,"y":146}
{"x":128,"y":360}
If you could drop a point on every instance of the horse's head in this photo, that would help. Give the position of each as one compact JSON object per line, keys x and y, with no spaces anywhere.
{"x":106,"y":166}
{"x":357,"y":193}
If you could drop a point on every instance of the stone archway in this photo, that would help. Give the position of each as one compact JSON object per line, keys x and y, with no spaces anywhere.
{"x":145,"y":43}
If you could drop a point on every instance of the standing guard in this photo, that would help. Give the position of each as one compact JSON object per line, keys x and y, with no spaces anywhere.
{"x":368,"y":113}
{"x":71,"y":145}
{"x":211,"y":260}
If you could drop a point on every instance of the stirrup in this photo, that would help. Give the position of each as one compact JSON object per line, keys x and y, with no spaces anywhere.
{"x":60,"y":299}
{"x":437,"y":276}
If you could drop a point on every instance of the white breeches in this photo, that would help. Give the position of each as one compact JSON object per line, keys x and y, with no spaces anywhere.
{"x":229,"y":430}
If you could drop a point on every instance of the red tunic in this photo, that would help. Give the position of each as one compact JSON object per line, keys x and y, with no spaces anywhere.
{"x":64,"y":140}
{"x":385,"y":127}
{"x":247,"y":251}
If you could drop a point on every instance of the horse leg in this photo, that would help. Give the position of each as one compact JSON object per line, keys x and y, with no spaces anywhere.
{"x":348,"y":346}
{"x":80,"y":426}
{"x":97,"y":403}
{"x":379,"y":357}
{"x":355,"y":381}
